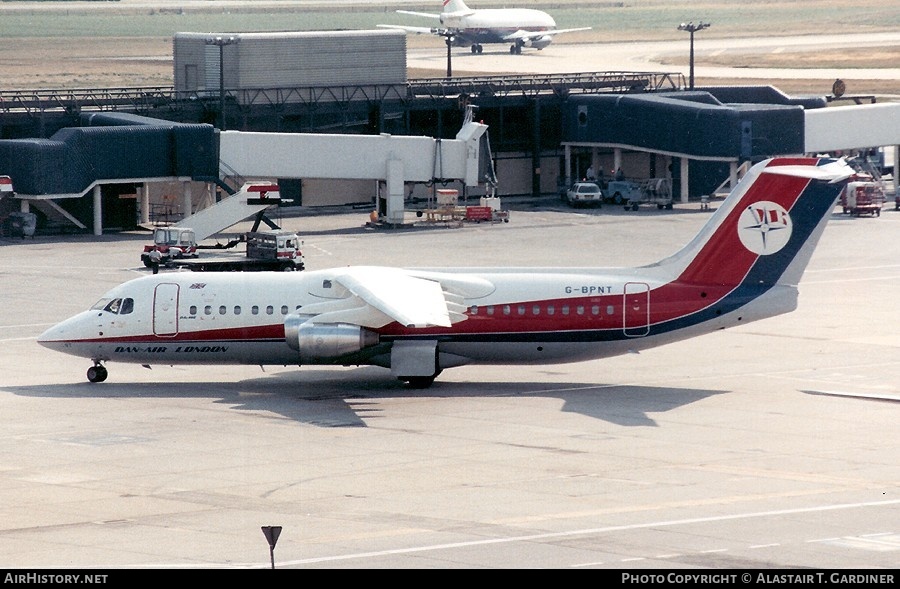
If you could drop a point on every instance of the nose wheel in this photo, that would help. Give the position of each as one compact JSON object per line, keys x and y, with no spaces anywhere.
{"x":97,"y":373}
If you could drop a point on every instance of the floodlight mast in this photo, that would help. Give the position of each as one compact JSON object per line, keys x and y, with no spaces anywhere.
{"x":221,"y":42}
{"x":692,"y":28}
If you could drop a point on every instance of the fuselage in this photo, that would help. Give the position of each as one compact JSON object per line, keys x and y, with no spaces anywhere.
{"x":495,"y":25}
{"x":512,"y":316}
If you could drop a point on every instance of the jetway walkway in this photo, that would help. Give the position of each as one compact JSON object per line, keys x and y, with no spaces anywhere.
{"x":125,"y":149}
{"x":391,"y":159}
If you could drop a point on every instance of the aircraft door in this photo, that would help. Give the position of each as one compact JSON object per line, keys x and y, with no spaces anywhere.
{"x":636,"y":309}
{"x":165,"y":310}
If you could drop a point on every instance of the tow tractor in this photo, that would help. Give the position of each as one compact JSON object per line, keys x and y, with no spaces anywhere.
{"x":170,"y":244}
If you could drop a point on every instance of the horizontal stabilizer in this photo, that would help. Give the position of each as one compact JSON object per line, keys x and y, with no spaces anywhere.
{"x":833,"y":172}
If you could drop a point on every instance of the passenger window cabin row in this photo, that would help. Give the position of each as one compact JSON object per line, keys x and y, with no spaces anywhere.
{"x":237,"y":310}
{"x":536,"y":310}
{"x":489,"y":310}
{"x":126,"y":305}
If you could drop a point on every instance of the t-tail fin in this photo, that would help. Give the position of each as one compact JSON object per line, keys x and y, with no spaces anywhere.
{"x":455,"y":6}
{"x":765,"y":231}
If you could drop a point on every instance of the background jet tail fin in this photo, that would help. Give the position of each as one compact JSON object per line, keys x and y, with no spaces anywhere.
{"x":455,"y":6}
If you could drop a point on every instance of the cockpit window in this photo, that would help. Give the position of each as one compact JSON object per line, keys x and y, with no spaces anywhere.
{"x":115,"y":306}
{"x":101,"y":304}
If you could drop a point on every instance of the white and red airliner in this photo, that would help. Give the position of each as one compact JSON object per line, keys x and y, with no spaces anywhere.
{"x":465,"y":27}
{"x":742,"y":266}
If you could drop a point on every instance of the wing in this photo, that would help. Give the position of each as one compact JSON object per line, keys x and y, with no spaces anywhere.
{"x":425,"y":14}
{"x":524,"y":35}
{"x":416,"y":30}
{"x":375,"y":296}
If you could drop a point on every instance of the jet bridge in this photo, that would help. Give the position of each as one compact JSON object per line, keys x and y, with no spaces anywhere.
{"x":126,"y":149}
{"x":392,"y":159}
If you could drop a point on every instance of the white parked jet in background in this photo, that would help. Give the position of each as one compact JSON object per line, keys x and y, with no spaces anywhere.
{"x":465,"y":27}
{"x":743,"y":265}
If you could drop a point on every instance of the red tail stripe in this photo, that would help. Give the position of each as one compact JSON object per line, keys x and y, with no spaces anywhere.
{"x":724,"y":259}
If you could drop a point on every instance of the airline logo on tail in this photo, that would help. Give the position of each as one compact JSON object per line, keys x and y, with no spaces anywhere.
{"x":764,"y":227}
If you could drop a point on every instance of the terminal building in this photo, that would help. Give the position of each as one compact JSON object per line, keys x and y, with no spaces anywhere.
{"x":111,"y":159}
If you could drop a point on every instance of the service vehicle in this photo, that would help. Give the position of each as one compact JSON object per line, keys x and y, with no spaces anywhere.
{"x":584,"y":194}
{"x":863,"y":195}
{"x":266,"y":250}
{"x":170,"y":243}
{"x":654,"y":191}
{"x":620,"y":192}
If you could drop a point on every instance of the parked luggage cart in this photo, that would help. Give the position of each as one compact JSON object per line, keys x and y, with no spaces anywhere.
{"x":21,"y":224}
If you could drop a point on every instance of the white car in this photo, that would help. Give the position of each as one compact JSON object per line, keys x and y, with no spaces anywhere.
{"x":584,"y":193}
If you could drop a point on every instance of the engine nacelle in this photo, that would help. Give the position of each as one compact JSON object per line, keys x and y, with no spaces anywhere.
{"x":318,"y":343}
{"x":540,"y":42}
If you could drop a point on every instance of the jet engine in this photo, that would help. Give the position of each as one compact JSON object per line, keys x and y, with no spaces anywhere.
{"x":318,"y":343}
{"x":540,"y":42}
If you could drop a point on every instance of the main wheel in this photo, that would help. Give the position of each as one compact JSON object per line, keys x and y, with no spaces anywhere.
{"x":97,"y":373}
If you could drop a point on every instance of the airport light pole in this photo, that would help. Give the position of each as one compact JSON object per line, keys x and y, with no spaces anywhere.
{"x":692,"y":28}
{"x":221,"y":42}
{"x":448,"y":38}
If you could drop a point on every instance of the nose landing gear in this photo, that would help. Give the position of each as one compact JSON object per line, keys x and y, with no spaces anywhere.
{"x":97,"y":372}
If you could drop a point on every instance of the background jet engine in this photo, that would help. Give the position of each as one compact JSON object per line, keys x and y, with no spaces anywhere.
{"x":539,"y":42}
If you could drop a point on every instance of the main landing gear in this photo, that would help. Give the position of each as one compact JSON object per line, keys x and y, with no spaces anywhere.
{"x":515,"y":49}
{"x":97,"y":372}
{"x":420,"y":382}
{"x":477,"y":49}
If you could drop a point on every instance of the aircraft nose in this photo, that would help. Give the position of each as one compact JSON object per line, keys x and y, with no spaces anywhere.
{"x":60,"y":336}
{"x":52,"y":338}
